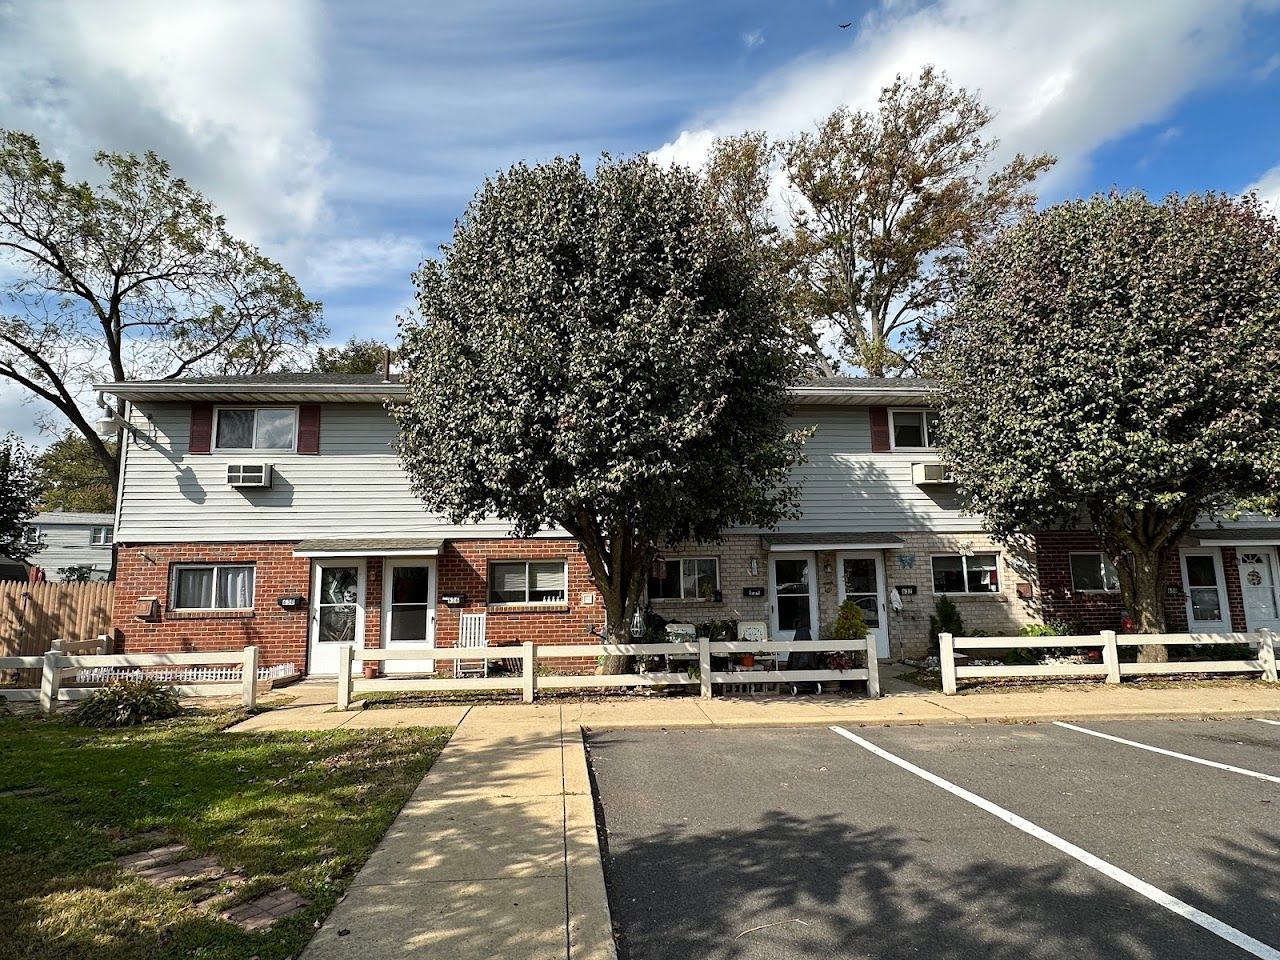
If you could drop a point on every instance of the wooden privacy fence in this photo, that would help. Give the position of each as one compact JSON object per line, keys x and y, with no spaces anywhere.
{"x":32,"y":615}
{"x":61,"y":668}
{"x":1110,"y":669}
{"x":533,"y":655}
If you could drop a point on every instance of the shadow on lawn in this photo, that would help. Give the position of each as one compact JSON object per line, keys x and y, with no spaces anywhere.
{"x":867,"y":894}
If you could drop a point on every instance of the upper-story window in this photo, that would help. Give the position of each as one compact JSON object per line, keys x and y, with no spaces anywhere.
{"x":255,"y":428}
{"x":100,"y":536}
{"x":30,"y":535}
{"x":913,"y":429}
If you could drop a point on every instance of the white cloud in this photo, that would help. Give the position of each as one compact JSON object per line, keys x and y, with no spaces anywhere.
{"x":361,"y":261}
{"x":1063,"y":78}
{"x":1267,"y":187}
{"x":753,"y":39}
{"x":225,"y":90}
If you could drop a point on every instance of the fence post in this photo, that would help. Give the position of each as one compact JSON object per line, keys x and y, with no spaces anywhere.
{"x":1111,"y":656}
{"x":704,"y":667}
{"x":873,"y":669}
{"x":528,"y":671}
{"x":50,"y":681}
{"x":1267,"y":654}
{"x":344,"y":676}
{"x":104,"y":643}
{"x":947,"y":661}
{"x":249,"y":678}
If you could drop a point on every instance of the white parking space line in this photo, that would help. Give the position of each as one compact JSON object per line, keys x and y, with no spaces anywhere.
{"x":1169,"y":753}
{"x":1264,"y":720}
{"x":1215,"y":926}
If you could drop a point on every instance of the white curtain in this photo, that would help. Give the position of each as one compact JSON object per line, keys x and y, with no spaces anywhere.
{"x":235,"y":588}
{"x":195,"y":588}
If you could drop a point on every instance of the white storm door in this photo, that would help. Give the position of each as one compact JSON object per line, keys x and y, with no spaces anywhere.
{"x":1205,"y":587}
{"x":1259,"y":586}
{"x":793,"y":589}
{"x":862,"y":581}
{"x":337,"y":612}
{"x":409,"y":612}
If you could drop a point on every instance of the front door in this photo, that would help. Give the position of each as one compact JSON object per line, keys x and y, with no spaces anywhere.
{"x":1259,"y":583}
{"x":793,"y":583}
{"x":409,"y":612}
{"x":337,"y":612}
{"x":862,"y":581}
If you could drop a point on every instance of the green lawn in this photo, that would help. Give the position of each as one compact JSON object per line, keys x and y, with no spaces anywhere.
{"x":301,"y":810}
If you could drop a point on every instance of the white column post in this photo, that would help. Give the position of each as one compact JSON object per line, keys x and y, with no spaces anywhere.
{"x":873,"y":669}
{"x":1267,"y":654}
{"x":1111,"y":656}
{"x":345,"y":653}
{"x":529,"y":676}
{"x":249,"y":678}
{"x":704,"y":667}
{"x":50,"y":681}
{"x":947,"y":661}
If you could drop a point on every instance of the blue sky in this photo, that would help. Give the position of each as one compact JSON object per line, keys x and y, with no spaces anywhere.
{"x":345,"y":137}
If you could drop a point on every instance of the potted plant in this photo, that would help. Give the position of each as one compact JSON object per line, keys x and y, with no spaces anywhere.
{"x":747,"y":660}
{"x":371,"y":669}
{"x":850,"y":624}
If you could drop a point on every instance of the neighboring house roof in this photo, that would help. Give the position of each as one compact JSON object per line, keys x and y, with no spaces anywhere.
{"x":59,"y":517}
{"x":367,"y":387}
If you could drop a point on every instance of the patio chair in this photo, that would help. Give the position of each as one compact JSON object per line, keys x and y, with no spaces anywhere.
{"x":471,"y":633}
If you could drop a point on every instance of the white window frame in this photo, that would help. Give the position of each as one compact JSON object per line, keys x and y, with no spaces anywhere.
{"x":928,"y":440}
{"x":682,"y":561}
{"x":1103,"y":560}
{"x":101,"y":536}
{"x":215,"y":567}
{"x":488,"y":587}
{"x":964,"y":566}
{"x":217,"y":412}
{"x":30,"y":535}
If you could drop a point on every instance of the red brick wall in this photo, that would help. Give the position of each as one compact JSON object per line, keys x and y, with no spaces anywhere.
{"x":281,"y":635}
{"x":1102,"y":611}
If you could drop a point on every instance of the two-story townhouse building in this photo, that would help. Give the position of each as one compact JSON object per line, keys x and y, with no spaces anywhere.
{"x":71,"y":545}
{"x":274,"y":510}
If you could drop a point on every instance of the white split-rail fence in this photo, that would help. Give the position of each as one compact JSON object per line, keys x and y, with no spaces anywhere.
{"x":531,"y":655}
{"x":74,"y":669}
{"x":1110,"y":669}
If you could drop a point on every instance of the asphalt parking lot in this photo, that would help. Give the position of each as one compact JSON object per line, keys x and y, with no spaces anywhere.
{"x":992,"y":842}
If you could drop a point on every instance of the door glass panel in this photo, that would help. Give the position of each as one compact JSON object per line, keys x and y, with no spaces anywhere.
{"x":339,"y":591}
{"x":792,"y":576}
{"x":860,"y":586}
{"x":1202,"y":589}
{"x":410,"y":603}
{"x":793,"y":612}
{"x":791,"y":581}
{"x":1258,"y":583}
{"x":339,"y":584}
{"x":337,"y":624}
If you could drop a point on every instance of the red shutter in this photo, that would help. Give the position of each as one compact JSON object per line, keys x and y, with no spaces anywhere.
{"x":309,"y":428}
{"x":879,"y":429}
{"x":201,"y":428}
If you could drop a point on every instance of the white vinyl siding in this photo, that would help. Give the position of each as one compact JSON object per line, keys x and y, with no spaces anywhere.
{"x":65,"y":545}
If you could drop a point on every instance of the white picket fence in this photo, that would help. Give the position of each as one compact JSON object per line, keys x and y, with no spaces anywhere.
{"x":532,"y":655}
{"x":64,"y":669}
{"x":1110,"y":669}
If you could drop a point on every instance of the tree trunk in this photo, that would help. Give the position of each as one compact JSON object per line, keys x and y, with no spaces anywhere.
{"x":1144,"y":598}
{"x":615,"y":665}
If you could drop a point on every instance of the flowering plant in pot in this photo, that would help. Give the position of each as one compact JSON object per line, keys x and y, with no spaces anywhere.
{"x":850,"y":625}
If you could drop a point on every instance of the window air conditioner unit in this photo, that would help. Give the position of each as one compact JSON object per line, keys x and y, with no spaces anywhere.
{"x":249,"y":474}
{"x":926,"y":473}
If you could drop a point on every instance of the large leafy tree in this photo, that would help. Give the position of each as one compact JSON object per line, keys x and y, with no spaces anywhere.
{"x":137,"y":278}
{"x":599,"y":353}
{"x":71,"y":477}
{"x":882,"y":208}
{"x":18,"y":495}
{"x":355,"y":356}
{"x":1113,"y":362}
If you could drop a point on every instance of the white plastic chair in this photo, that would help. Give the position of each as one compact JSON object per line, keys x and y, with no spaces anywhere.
{"x":471,"y":633}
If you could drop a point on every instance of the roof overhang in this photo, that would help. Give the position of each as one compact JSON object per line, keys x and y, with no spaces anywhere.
{"x":808,"y":542}
{"x":1266,"y":537}
{"x":866,"y":396}
{"x":369,"y":547}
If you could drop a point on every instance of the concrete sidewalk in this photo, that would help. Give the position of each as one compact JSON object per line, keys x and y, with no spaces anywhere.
{"x":496,"y":853}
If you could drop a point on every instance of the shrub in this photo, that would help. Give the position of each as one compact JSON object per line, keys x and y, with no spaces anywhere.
{"x":851,"y":623}
{"x":128,"y":703}
{"x":1038,"y":630}
{"x":1021,"y":656}
{"x":946,"y":619}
